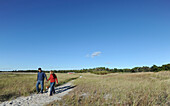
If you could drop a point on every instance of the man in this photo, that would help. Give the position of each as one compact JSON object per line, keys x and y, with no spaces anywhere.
{"x":40,"y":80}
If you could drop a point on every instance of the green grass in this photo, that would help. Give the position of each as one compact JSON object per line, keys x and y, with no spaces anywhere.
{"x":14,"y":85}
{"x":100,"y":72}
{"x":131,"y":89}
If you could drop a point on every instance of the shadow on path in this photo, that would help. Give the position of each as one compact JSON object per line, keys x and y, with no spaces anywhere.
{"x":63,"y":89}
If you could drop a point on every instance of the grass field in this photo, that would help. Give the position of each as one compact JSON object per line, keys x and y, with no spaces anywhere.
{"x":14,"y":85}
{"x":128,"y":89}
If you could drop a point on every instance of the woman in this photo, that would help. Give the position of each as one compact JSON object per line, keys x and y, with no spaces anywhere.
{"x":52,"y":79}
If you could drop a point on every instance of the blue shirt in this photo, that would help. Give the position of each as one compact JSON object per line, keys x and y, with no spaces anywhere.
{"x":41,"y":76}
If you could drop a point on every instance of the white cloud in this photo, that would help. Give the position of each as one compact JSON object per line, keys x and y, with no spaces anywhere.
{"x":95,"y":54}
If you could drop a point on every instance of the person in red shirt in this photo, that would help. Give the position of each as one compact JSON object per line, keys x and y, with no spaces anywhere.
{"x":53,"y":79}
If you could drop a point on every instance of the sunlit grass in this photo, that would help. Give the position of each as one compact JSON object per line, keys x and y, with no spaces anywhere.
{"x":14,"y":85}
{"x":138,"y":89}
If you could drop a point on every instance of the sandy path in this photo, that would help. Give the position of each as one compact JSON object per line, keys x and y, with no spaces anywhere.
{"x":40,"y":99}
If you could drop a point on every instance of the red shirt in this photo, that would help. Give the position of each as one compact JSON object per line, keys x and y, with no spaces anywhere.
{"x":52,"y":79}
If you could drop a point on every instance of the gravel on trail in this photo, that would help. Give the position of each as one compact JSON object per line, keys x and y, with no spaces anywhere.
{"x":40,"y":99}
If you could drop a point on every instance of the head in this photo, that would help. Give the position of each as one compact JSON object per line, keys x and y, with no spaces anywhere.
{"x":51,"y":72}
{"x":39,"y":69}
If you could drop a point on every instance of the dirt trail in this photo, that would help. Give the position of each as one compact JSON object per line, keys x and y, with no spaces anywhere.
{"x":40,"y":99}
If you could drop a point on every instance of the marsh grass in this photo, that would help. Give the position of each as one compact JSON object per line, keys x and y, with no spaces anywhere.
{"x":100,"y":72}
{"x":14,"y":85}
{"x":129,"y":89}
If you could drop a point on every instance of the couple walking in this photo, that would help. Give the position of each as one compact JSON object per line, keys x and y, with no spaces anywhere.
{"x":40,"y":80}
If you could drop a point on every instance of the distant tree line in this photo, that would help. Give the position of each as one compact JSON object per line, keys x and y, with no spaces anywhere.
{"x":104,"y":70}
{"x":153,"y":68}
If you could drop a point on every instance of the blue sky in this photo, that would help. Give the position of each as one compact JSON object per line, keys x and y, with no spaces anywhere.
{"x":76,"y":34}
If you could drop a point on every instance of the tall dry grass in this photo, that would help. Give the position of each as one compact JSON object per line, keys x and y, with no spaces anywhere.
{"x":138,"y":89}
{"x":13,"y":85}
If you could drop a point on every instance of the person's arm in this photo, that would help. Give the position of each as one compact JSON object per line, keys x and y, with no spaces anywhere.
{"x":37,"y":76}
{"x":49,"y":78}
{"x":56,"y":79}
{"x":45,"y":76}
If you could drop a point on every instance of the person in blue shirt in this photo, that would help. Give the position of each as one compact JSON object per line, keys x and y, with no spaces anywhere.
{"x":40,"y":80}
